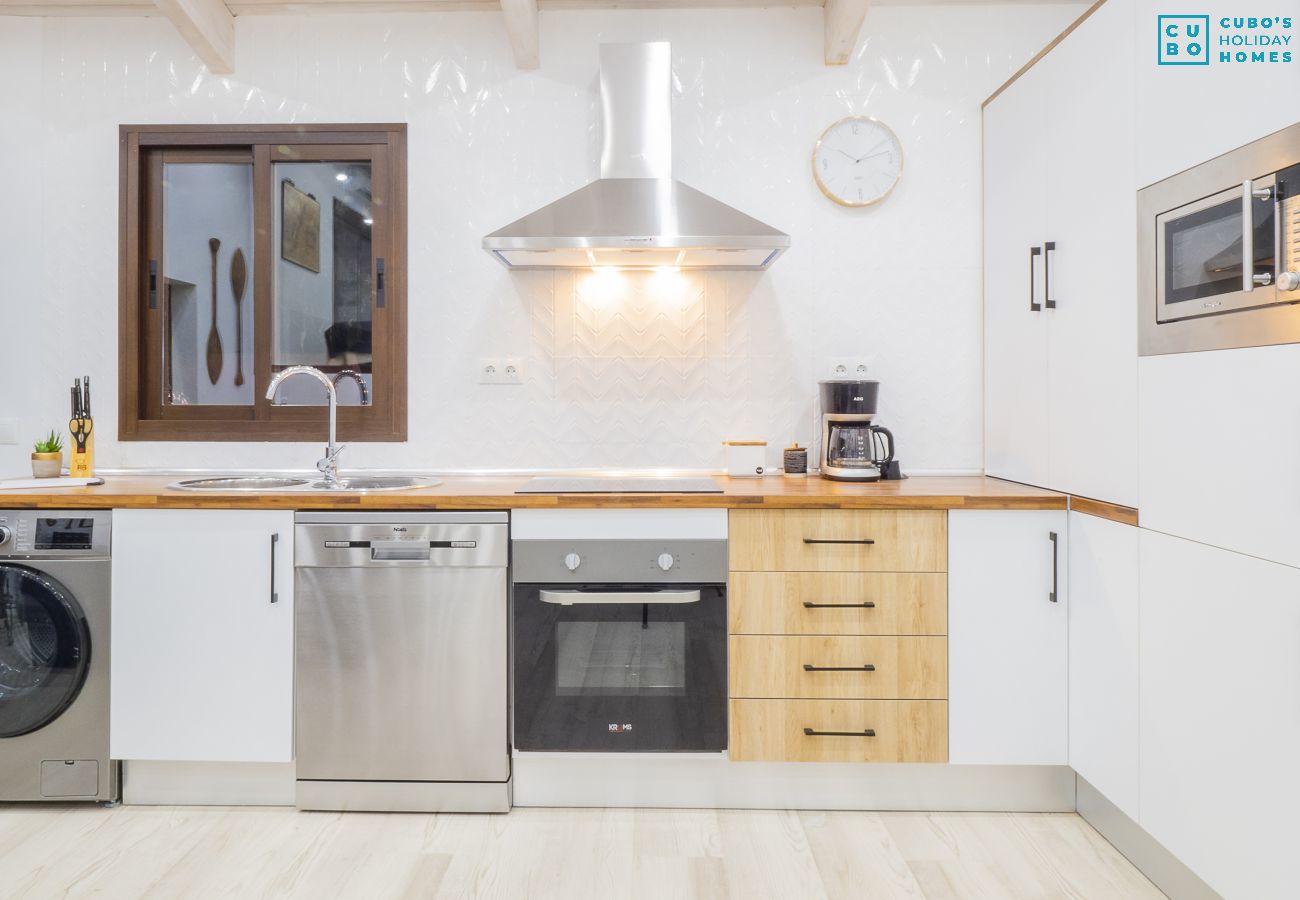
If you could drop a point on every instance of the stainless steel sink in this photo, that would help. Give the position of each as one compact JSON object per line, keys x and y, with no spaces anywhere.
{"x":240,"y":483}
{"x":280,"y":483}
{"x":386,"y":482}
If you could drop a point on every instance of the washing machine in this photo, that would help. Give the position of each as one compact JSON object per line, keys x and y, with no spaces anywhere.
{"x":55,"y":578}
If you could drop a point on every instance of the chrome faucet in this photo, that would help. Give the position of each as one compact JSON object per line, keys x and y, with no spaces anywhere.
{"x":329,"y":463}
{"x":361,"y":383}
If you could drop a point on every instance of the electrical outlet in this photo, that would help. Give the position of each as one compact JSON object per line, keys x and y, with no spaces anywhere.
{"x":847,"y":367}
{"x":509,"y":370}
{"x":8,"y":431}
{"x":513,"y":373}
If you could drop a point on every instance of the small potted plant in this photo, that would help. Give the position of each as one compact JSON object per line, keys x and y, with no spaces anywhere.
{"x":47,"y":456}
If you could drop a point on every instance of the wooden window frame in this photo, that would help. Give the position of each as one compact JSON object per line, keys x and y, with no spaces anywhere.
{"x":141,"y":414}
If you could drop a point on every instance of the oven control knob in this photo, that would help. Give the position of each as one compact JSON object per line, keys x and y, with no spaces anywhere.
{"x":665,"y":561}
{"x":5,"y":535}
{"x":1288,"y":281}
{"x":572,"y":561}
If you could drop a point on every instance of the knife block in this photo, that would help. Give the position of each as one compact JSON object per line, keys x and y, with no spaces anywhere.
{"x":82,"y":465}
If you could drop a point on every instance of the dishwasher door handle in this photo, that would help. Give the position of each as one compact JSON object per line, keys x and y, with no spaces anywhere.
{"x":395,"y":551}
{"x":571,"y":598}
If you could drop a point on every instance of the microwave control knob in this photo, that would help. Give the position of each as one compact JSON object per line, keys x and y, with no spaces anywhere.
{"x":5,"y":535}
{"x":1288,"y":281}
{"x":572,"y":561}
{"x":665,"y":561}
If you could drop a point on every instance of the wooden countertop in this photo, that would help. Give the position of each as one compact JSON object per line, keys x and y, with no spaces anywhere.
{"x":498,"y":492}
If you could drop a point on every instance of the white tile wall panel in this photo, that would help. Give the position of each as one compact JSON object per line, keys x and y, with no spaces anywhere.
{"x":627,"y":371}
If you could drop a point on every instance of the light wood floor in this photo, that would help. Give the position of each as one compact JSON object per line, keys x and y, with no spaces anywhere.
{"x":196,"y":852}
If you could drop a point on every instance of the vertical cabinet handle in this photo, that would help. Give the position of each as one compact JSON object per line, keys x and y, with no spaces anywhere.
{"x":1049,"y":301}
{"x":379,"y":282}
{"x":1051,"y":536}
{"x":275,"y":539}
{"x":153,"y":284}
{"x":1034,"y":253}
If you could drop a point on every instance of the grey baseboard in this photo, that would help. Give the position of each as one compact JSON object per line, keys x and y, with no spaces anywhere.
{"x":1145,"y":852}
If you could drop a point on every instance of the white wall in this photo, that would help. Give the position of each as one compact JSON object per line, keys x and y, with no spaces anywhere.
{"x":639,"y":374}
{"x":20,"y":61}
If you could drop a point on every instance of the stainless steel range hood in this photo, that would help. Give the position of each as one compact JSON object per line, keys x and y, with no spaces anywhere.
{"x":636,"y":215}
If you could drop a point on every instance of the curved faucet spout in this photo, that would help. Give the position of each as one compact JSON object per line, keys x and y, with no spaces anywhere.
{"x":329,"y":465}
{"x":361,"y":383}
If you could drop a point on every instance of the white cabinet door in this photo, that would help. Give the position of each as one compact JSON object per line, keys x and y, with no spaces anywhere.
{"x":1008,"y":671}
{"x":1218,"y":450}
{"x":1220,"y":714}
{"x":202,"y":665}
{"x":1015,"y":336}
{"x":1104,"y":657}
{"x":1091,"y":218}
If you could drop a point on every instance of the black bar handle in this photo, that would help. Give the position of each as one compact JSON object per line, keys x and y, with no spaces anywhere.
{"x":1051,"y":536}
{"x":830,"y":541}
{"x":379,"y":282}
{"x":866,"y":604}
{"x":1034,"y":253}
{"x":866,"y":732}
{"x":1049,"y":301}
{"x":275,"y":539}
{"x":153,"y":284}
{"x":865,"y":668}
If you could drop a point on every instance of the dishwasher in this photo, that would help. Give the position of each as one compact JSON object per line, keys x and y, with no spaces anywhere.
{"x":401,"y":661}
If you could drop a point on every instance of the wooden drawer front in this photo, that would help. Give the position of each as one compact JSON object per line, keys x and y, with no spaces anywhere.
{"x":835,"y":540}
{"x":904,"y":731}
{"x":837,"y":603}
{"x":912,"y":668}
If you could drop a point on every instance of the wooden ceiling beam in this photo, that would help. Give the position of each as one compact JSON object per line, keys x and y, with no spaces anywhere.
{"x":522,"y":26}
{"x":209,"y":29}
{"x":843,"y":20}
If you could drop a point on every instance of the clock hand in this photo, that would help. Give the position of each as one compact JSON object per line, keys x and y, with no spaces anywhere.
{"x":849,"y":155}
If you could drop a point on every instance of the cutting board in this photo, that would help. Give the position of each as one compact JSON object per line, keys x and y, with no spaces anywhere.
{"x":28,"y":484}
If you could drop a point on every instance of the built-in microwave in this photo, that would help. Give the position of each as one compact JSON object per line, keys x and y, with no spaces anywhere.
{"x":1219,"y":251}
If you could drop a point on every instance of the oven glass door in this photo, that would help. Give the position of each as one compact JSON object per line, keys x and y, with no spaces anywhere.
{"x":1200,"y":256}
{"x":620,"y":667}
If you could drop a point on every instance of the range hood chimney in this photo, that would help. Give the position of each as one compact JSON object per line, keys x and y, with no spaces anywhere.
{"x":636,"y":215}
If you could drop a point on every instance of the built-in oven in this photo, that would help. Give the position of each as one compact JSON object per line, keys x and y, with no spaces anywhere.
{"x":620,"y":644}
{"x":1219,"y":251}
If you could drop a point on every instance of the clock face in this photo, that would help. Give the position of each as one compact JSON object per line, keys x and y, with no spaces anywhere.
{"x":857,"y":161}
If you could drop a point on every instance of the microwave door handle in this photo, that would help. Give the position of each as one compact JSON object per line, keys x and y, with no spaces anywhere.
{"x":572,"y":598}
{"x":1249,"y":280}
{"x":1247,"y":236}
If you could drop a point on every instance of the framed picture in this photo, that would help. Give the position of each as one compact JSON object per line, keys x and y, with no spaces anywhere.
{"x":299,"y":227}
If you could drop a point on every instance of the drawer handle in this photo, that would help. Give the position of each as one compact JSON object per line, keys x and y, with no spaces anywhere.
{"x":867,"y":668}
{"x":866,"y":732}
{"x":868,"y":604}
{"x":830,"y":541}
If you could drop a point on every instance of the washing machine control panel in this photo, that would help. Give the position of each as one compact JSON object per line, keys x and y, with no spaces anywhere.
{"x":46,"y":534}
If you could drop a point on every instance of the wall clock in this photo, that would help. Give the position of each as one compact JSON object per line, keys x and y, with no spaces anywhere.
{"x":857,"y":161}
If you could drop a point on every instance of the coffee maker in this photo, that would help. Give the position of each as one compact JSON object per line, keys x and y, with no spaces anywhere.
{"x":853,"y":448}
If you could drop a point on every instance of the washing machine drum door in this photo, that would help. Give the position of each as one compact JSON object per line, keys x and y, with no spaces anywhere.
{"x":44,"y":650}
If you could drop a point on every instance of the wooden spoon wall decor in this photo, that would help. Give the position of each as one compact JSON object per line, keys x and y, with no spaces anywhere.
{"x":238,"y":275}
{"x":214,"y":337}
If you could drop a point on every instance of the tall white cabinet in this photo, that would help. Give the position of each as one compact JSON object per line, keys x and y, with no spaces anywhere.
{"x":1220,"y":714}
{"x":202,"y":632}
{"x":1060,"y":333}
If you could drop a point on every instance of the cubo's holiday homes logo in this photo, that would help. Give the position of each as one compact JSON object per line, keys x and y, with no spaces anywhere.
{"x":1183,"y":40}
{"x":1186,"y":40}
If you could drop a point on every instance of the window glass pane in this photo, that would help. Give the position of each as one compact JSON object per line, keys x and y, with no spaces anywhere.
{"x":207,"y":284}
{"x":323,"y":218}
